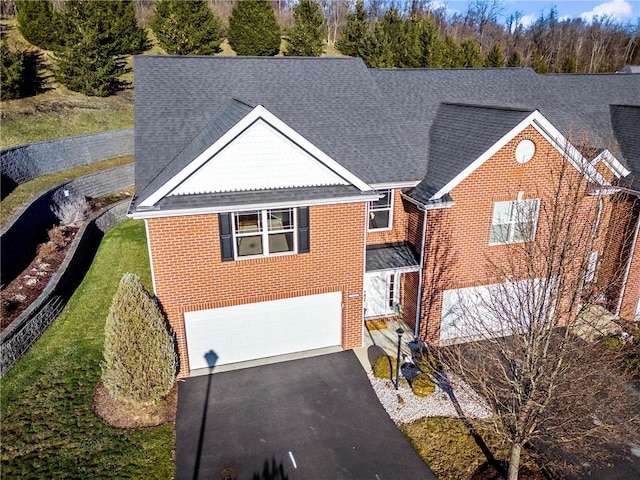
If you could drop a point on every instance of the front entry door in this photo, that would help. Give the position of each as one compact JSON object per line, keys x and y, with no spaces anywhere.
{"x":381,"y":293}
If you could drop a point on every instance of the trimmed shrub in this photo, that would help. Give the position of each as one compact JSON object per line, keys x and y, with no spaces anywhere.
{"x":385,"y":367}
{"x":69,"y":206}
{"x":140,"y":362}
{"x":422,"y":385}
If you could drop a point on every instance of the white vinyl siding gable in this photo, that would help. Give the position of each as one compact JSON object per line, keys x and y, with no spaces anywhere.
{"x":514,"y":221}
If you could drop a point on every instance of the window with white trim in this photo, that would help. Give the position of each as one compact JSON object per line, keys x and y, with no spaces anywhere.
{"x":591,"y":267}
{"x":264,"y":233}
{"x":514,"y":221}
{"x":381,"y":211}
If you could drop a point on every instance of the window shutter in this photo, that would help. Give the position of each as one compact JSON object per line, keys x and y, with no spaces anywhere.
{"x":226,"y":237}
{"x":303,"y":230}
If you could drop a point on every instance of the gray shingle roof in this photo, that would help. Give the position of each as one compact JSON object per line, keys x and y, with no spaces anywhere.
{"x":458,"y":136}
{"x":332,"y":102}
{"x":626,"y":126}
{"x":390,"y":257}
{"x":384,"y":126}
{"x":575,"y":104}
{"x":291,"y":196}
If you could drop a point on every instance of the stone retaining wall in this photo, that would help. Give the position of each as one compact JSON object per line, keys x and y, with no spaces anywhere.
{"x":28,"y":228}
{"x":25,"y":162}
{"x":16,"y":339}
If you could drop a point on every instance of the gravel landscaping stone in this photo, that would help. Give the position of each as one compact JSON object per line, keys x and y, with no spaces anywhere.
{"x":405,"y":407}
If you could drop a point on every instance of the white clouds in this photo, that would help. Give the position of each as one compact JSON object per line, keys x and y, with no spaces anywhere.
{"x":616,"y":9}
{"x":527,"y":20}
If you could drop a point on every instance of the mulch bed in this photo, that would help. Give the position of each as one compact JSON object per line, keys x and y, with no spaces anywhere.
{"x":122,"y":414}
{"x":27,"y":287}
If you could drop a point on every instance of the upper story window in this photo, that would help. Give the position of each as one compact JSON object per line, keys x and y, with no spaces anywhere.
{"x":514,"y":221}
{"x":381,"y":211}
{"x":264,"y":232}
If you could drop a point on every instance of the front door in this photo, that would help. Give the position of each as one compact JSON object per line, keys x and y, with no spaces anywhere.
{"x":381,"y":294}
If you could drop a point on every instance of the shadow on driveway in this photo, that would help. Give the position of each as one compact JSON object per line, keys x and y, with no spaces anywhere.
{"x":313,"y":418}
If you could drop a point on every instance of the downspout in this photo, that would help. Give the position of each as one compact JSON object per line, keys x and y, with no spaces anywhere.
{"x":416,"y":333}
{"x":628,"y":267}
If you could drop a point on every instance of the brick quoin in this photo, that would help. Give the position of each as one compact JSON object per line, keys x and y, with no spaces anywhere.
{"x":189,"y":274}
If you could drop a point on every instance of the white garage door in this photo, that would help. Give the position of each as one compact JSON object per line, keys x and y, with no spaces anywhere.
{"x":257,"y":330}
{"x":488,"y":310}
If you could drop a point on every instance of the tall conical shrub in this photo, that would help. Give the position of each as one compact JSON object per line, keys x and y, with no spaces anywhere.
{"x":140,"y":362}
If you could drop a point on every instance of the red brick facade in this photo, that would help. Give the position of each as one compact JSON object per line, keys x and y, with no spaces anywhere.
{"x":457,"y":249}
{"x":200,"y":280}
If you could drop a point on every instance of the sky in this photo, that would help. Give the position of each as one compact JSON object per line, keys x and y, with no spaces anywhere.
{"x":622,"y":11}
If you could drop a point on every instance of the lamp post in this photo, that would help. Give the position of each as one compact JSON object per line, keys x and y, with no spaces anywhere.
{"x":400,"y":332}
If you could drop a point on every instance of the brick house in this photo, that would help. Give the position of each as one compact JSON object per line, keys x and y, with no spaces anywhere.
{"x":287,"y":200}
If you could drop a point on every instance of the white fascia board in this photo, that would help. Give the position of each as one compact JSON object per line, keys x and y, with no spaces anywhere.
{"x":549,"y":132}
{"x":424,"y":207}
{"x":567,"y":150}
{"x":413,"y":268}
{"x":383,"y":186}
{"x":258,"y":112}
{"x":142,"y":214}
{"x":484,"y":157}
{"x":612,"y":163}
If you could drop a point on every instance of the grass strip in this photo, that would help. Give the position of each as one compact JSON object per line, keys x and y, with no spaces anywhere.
{"x":47,"y":427}
{"x":27,"y":191}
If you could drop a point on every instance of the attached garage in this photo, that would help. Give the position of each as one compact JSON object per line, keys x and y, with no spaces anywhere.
{"x":226,"y":335}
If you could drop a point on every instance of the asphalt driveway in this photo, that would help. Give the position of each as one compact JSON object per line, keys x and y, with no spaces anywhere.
{"x":315,"y":418}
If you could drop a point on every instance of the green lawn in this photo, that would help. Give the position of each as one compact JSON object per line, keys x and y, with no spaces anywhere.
{"x":47,"y":427}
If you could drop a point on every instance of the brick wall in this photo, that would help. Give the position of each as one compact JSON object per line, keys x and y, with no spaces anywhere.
{"x":457,"y":250}
{"x":632,"y":288}
{"x":197,"y":279}
{"x":399,"y":223}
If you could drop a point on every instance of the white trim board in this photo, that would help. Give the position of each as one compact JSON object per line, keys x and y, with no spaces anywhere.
{"x":156,"y":213}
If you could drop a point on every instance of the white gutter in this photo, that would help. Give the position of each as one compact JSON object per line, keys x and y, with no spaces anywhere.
{"x":157,"y":213}
{"x":628,"y":267}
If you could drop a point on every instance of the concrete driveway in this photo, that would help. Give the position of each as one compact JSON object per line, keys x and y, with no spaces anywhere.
{"x":314,"y":418}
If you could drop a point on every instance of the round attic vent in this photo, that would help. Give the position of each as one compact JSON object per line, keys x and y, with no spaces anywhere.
{"x":525,"y":151}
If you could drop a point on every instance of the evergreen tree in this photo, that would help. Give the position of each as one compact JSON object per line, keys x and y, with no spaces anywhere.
{"x":410,"y":53}
{"x":253,"y":28}
{"x":140,"y":362}
{"x":569,"y":64}
{"x":12,"y":73}
{"x":383,"y":45}
{"x":91,"y":62}
{"x":354,"y":34}
{"x":40,"y":23}
{"x":432,"y":45}
{"x":452,"y":53}
{"x":495,"y":58}
{"x":514,"y":59}
{"x":471,"y":53}
{"x":186,"y":27}
{"x":307,"y":36}
{"x":538,"y":63}
{"x":129,"y":38}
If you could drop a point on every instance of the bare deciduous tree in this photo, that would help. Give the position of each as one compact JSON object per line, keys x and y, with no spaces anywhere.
{"x":532,"y":360}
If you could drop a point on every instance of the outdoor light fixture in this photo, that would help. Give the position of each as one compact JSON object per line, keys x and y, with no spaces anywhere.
{"x":400,"y":332}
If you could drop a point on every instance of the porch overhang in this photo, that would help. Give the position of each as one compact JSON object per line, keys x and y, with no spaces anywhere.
{"x":396,"y":257}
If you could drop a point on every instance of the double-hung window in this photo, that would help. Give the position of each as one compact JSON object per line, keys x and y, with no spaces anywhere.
{"x":514,"y":221}
{"x":380,"y":211}
{"x":264,"y":233}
